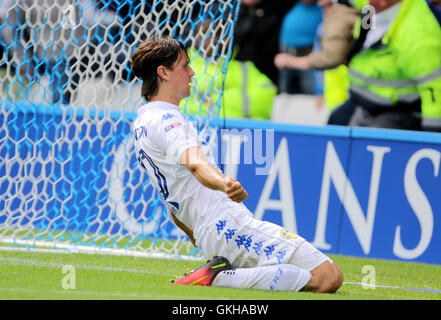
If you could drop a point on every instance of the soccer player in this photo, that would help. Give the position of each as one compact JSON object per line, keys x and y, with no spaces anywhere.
{"x":248,"y":253}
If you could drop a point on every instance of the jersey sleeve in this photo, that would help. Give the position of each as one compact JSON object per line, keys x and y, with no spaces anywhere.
{"x":179,"y":135}
{"x":425,"y":71}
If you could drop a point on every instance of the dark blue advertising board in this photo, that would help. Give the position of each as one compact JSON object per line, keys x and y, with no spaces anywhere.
{"x":351,"y":191}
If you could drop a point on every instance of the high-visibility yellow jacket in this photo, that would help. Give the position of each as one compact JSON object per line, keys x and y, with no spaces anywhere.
{"x":336,"y":80}
{"x":359,"y":4}
{"x":336,"y":86}
{"x":247,"y":93}
{"x":405,"y":68}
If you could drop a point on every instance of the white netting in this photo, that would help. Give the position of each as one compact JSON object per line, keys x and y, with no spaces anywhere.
{"x":68,"y":174}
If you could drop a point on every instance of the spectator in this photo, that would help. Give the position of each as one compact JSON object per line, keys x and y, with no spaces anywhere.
{"x":338,"y":35}
{"x":317,"y":75}
{"x":297,"y":37}
{"x":105,"y":52}
{"x":247,"y":93}
{"x":256,"y":34}
{"x":45,"y":39}
{"x":34,"y":48}
{"x":17,"y":61}
{"x":395,"y":76}
{"x":336,"y":40}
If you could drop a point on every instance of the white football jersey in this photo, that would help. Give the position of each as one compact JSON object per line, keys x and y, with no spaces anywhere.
{"x":162,"y":134}
{"x":220,"y":225}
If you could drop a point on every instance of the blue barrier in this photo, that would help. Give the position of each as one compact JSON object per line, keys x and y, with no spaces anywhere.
{"x":57,"y":173}
{"x":351,"y":191}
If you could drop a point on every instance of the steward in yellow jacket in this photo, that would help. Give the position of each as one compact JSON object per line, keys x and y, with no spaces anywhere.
{"x":396,"y":81}
{"x":247,"y":93}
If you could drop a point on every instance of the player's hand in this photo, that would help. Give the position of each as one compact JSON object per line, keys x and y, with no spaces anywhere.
{"x":234,"y":190}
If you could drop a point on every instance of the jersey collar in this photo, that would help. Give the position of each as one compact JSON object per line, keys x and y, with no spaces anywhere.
{"x":158,"y":104}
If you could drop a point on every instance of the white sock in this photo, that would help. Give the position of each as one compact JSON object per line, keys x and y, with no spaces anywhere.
{"x":274,"y":277}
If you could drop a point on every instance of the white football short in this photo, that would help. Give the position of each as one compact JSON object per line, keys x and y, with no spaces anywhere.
{"x":308,"y":257}
{"x":248,"y":242}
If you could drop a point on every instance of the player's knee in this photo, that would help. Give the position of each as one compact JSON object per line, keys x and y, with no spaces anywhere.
{"x":340,"y":275}
{"x":330,"y":284}
{"x":328,"y":278}
{"x":334,"y":283}
{"x":333,"y":280}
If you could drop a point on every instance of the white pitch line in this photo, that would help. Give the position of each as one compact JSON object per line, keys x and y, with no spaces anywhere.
{"x":392,"y":287}
{"x":97,"y":293}
{"x":80,"y":266}
{"x":370,"y":294}
{"x":79,"y":292}
{"x":64,"y":248}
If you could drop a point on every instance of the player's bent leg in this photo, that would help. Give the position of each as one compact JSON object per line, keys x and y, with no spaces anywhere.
{"x":340,"y":275}
{"x":218,"y":272}
{"x":273,"y":277}
{"x":326,"y":278}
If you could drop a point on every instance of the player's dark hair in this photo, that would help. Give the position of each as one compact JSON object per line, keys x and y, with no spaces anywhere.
{"x":152,"y":53}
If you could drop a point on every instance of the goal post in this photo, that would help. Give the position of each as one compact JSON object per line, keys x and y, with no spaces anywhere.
{"x":69,"y":178}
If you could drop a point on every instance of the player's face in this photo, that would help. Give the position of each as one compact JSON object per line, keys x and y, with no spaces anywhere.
{"x":181,"y":75}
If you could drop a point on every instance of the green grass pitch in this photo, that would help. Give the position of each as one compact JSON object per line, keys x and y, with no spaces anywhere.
{"x":32,"y":275}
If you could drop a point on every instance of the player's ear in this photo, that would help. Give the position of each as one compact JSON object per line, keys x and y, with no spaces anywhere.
{"x":162,"y":73}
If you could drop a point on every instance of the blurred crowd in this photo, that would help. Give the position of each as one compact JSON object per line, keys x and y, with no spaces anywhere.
{"x":373,"y":63}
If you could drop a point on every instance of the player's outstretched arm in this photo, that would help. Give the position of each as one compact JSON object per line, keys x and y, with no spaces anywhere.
{"x":195,"y":161}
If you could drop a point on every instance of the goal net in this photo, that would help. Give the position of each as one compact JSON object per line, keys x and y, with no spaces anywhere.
{"x":69,"y":178}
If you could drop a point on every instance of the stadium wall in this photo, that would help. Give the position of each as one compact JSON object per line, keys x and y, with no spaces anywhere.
{"x":351,"y":191}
